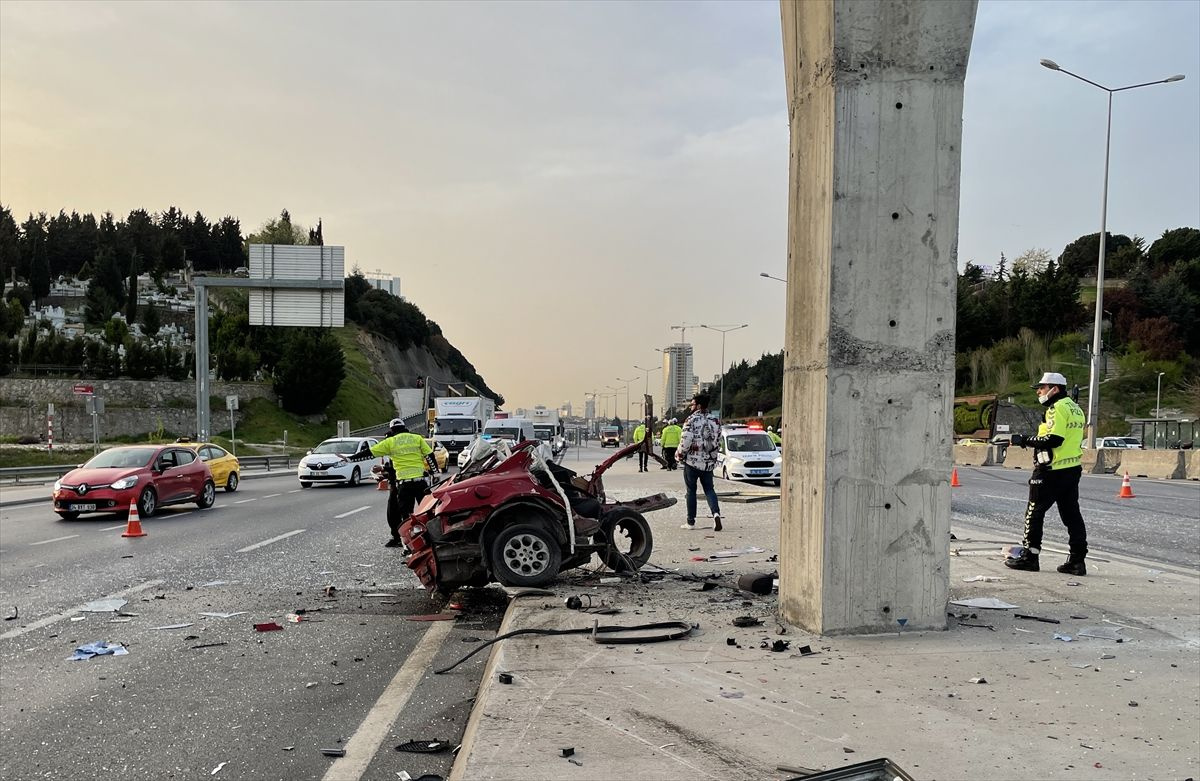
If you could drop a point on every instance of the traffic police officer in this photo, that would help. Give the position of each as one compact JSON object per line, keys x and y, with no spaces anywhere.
{"x":778,"y":440}
{"x":1057,"y":466}
{"x":411,"y":458}
{"x":671,"y":435}
{"x":639,"y":434}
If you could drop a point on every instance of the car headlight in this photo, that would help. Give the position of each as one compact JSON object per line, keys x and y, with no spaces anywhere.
{"x":125,"y":482}
{"x":779,"y":459}
{"x":57,"y":484}
{"x":734,"y":461}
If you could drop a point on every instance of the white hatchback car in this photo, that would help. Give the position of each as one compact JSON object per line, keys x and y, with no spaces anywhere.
{"x":748,"y":454}
{"x":329,"y":462}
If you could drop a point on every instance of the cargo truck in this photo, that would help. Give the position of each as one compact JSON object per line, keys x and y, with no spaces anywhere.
{"x":548,"y":427}
{"x":459,"y":420}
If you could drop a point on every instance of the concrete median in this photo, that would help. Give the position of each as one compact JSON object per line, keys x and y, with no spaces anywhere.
{"x":1163,"y":464}
{"x":974,"y":455}
{"x":1101,"y":462}
{"x":1019,"y":458}
{"x":1191,"y":465}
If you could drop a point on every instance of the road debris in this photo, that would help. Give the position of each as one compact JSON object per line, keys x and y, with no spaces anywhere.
{"x":1100,"y":633}
{"x":334,"y":752}
{"x":13,"y":617}
{"x":745,"y":621}
{"x":331,"y":591}
{"x":984,"y":603}
{"x":729,"y":554}
{"x":169,"y":626}
{"x":983,"y":579}
{"x":505,"y":678}
{"x":733,"y":695}
{"x":224,"y":615}
{"x":1043,"y":619}
{"x":217,"y":769}
{"x":209,"y":645}
{"x":757,"y":583}
{"x":567,"y":752}
{"x":268,"y":626}
{"x":1064,"y":638}
{"x":980,"y":679}
{"x":433,"y":617}
{"x":424,"y":746}
{"x":97,"y":648}
{"x":104,"y":606}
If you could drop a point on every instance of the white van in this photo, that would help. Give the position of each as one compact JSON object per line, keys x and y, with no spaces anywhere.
{"x":516,"y":431}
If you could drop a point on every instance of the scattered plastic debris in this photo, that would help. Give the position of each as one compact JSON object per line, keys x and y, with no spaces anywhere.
{"x":1043,"y":619}
{"x":1074,"y":583}
{"x":120,"y":620}
{"x":424,"y":746}
{"x":504,"y":678}
{"x":729,"y":554}
{"x":169,"y":626}
{"x":224,"y":615}
{"x":1133,"y":703}
{"x":217,"y":769}
{"x":1108,"y":656}
{"x":209,"y":645}
{"x":78,"y":618}
{"x":13,"y":617}
{"x":268,"y":626}
{"x":984,"y":603}
{"x":97,"y":648}
{"x":1064,"y":638}
{"x":1099,"y":632}
{"x":334,"y":752}
{"x":733,"y":695}
{"x":379,"y":595}
{"x":217,"y":583}
{"x":104,"y":606}
{"x":978,"y":680}
{"x":744,"y":621}
{"x":1083,"y":666}
{"x":295,"y":618}
{"x":433,"y":617}
{"x":331,"y":591}
{"x":983,"y":579}
{"x":567,"y":752}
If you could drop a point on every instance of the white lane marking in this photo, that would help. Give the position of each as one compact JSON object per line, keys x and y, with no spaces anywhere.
{"x":365,"y":741}
{"x":268,"y":542}
{"x":1004,"y":498}
{"x":48,"y":620}
{"x":295,"y":490}
{"x":272,"y":496}
{"x":110,"y":528}
{"x":355,"y":510}
{"x":243,"y":501}
{"x":56,"y":539}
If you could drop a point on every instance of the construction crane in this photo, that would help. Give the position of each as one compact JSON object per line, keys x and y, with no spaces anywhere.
{"x":682,"y":329}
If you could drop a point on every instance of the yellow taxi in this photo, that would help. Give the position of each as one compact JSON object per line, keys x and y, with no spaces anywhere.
{"x":440,"y":455}
{"x":226,"y":470}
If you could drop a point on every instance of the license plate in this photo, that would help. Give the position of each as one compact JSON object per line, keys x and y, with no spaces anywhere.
{"x":83,"y":508}
{"x":760,"y":471}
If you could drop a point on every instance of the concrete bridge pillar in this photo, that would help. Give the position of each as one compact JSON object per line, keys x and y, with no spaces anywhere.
{"x":875,"y":93}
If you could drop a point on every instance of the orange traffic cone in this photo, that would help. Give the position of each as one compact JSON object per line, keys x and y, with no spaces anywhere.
{"x":954,"y":479}
{"x":381,"y":485}
{"x":133,"y":528}
{"x":1126,"y":488}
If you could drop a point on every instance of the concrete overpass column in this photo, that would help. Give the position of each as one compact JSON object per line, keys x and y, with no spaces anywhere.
{"x":875,"y":93}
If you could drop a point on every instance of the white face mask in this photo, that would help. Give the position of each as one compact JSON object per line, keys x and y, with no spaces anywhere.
{"x":1044,"y":397}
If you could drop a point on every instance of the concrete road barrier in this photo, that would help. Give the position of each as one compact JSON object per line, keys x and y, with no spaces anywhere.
{"x":973,"y":455}
{"x":1165,"y":464}
{"x":1019,"y":458}
{"x":1100,"y":462}
{"x":1191,"y":464}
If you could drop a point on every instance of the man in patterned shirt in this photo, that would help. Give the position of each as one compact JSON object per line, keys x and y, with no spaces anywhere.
{"x":698,"y":453}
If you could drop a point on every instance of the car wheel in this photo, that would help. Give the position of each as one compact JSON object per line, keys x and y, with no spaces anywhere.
{"x":68,"y":516}
{"x":232,"y":483}
{"x":147,"y":503}
{"x":525,"y":555}
{"x":354,"y":478}
{"x":631,"y":541}
{"x":305,"y":485}
{"x":208,"y":495}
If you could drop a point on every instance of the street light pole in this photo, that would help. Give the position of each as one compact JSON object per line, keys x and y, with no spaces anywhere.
{"x":626,"y":403}
{"x":1097,"y":345}
{"x":723,"y":330}
{"x":768,"y":276}
{"x":1158,"y":398}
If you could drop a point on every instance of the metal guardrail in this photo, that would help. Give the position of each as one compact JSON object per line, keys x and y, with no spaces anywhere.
{"x":17,"y":473}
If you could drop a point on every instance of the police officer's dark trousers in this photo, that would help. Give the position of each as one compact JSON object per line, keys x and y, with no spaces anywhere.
{"x":1055,"y":487}
{"x":401,"y":500}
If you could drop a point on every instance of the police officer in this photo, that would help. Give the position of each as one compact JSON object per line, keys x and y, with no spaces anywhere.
{"x":671,"y":435}
{"x":639,"y":434}
{"x":411,"y":458}
{"x":1057,"y":466}
{"x":775,"y":438}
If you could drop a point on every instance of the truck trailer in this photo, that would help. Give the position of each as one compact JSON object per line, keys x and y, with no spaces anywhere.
{"x":460,"y":419}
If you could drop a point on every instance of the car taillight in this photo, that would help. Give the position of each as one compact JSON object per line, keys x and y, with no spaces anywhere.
{"x":416,"y":530}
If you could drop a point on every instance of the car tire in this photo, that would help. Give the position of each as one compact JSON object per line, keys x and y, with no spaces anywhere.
{"x":631,"y":526}
{"x":303,"y":484}
{"x":355,"y":476}
{"x":208,"y":495}
{"x":525,"y":555}
{"x":68,"y":516}
{"x":147,"y":503}
{"x":231,"y":484}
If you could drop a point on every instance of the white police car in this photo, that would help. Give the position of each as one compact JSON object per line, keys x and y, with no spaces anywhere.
{"x":747,"y":453}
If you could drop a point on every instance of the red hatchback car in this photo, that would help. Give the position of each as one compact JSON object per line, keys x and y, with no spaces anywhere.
{"x":151,"y":475}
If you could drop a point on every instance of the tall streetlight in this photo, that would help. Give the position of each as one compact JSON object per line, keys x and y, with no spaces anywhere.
{"x":768,"y":276}
{"x":647,"y":371}
{"x":626,"y":404}
{"x":722,"y":330}
{"x":1158,"y":398}
{"x":1097,"y":345}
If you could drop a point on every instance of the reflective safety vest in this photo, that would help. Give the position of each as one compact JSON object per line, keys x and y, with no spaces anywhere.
{"x":639,"y":433}
{"x":671,"y":435}
{"x":1064,"y":418}
{"x":778,"y":440}
{"x":407,"y":451}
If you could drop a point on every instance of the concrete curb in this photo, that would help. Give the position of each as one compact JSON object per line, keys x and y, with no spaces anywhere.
{"x":485,"y":683}
{"x":46,"y":497}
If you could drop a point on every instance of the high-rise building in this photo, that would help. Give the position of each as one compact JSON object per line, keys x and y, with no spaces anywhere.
{"x":678,"y":381}
{"x":589,"y":409}
{"x":565,"y":410}
{"x":387,"y":284}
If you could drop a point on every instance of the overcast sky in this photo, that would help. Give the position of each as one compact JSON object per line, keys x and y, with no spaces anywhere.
{"x":557,"y":184}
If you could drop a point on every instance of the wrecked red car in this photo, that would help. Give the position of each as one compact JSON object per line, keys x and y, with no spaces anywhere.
{"x":513,"y":517}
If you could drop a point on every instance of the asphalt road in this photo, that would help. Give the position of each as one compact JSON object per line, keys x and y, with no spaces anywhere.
{"x":216,"y":693}
{"x":1162,"y":522}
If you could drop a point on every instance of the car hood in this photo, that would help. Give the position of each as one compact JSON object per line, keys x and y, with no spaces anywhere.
{"x":757,"y":455}
{"x":101,"y":476}
{"x":328,"y":459}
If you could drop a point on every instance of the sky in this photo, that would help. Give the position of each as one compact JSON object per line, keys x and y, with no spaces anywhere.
{"x":558,"y":184}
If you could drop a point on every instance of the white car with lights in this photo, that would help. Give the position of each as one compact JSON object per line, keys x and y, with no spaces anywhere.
{"x":338,"y":460}
{"x":747,"y":453}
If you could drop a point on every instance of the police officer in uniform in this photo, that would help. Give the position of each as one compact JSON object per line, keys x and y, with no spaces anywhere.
{"x":639,"y":434}
{"x":671,"y":434}
{"x":412,"y":458}
{"x":1057,"y":466}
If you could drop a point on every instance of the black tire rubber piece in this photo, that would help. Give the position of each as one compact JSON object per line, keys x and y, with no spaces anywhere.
{"x":533,"y":559}
{"x":631,"y":526}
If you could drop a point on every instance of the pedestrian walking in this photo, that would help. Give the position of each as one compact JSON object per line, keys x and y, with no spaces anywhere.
{"x":698,"y":452}
{"x":1057,"y":466}
{"x":671,"y":434}
{"x":639,"y":435}
{"x":411,"y":457}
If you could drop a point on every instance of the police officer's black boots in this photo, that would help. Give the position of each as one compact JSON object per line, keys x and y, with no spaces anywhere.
{"x":1073,"y":566}
{"x":1026,"y":561}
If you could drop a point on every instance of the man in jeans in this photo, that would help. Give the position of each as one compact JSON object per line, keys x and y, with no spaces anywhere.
{"x":698,"y":452}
